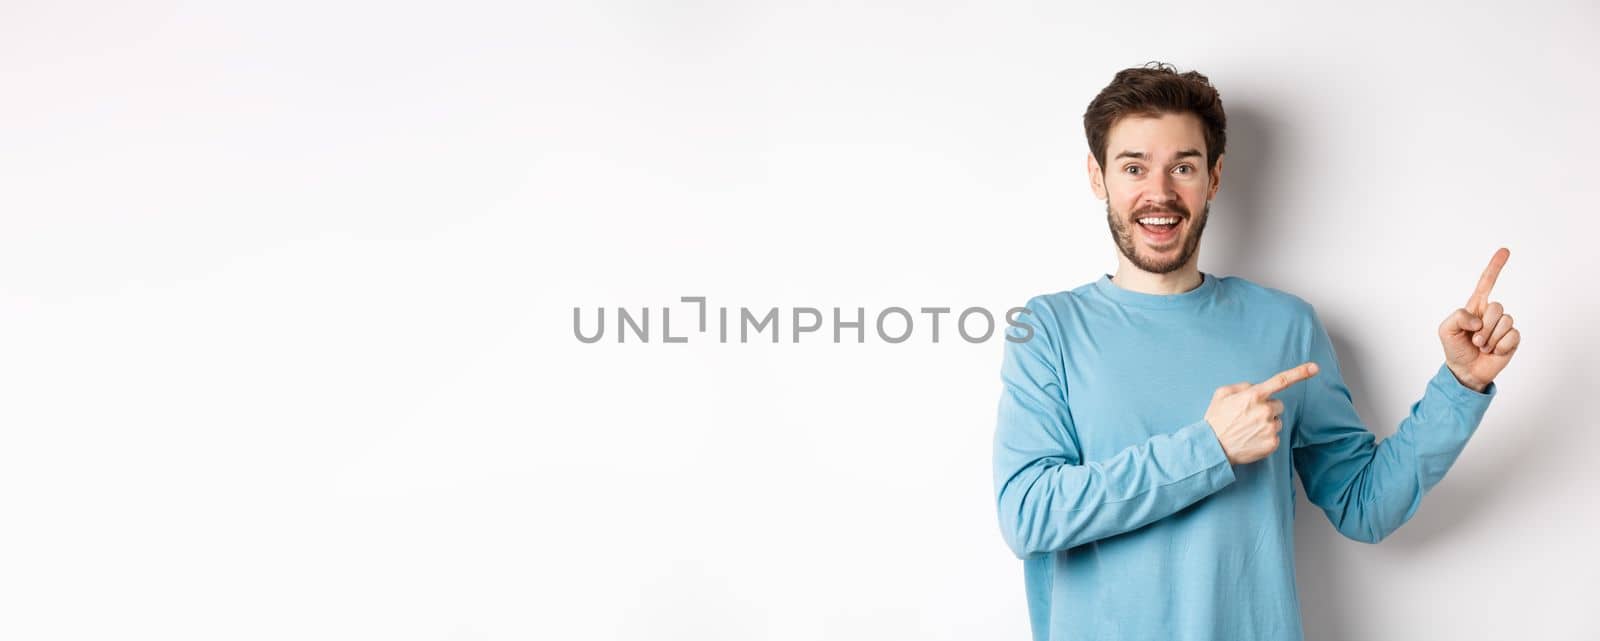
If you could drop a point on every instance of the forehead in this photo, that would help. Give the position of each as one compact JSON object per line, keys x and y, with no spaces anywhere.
{"x":1161,"y":135}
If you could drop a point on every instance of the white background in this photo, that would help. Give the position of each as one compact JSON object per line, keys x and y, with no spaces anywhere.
{"x":287,"y":343}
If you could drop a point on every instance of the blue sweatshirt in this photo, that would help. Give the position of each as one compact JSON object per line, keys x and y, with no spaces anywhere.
{"x":1116,"y":494}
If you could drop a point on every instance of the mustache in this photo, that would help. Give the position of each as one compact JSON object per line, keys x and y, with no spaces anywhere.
{"x":1174,"y":207}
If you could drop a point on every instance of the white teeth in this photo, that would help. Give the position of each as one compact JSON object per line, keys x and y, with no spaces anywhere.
{"x":1159,"y":221}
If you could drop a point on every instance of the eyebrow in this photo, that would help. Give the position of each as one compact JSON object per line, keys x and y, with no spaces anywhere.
{"x":1187,"y":153}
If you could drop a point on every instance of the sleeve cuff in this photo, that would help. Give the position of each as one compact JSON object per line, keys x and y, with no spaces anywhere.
{"x":1210,"y":453}
{"x":1445,"y":380}
{"x":1451,"y":410}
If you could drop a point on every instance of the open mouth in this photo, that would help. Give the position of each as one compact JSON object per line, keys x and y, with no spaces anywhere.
{"x":1160,"y":229}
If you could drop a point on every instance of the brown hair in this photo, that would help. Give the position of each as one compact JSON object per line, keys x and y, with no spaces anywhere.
{"x":1152,"y":90}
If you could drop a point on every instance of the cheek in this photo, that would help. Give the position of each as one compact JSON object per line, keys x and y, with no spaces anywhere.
{"x":1123,"y":197}
{"x":1125,"y":203}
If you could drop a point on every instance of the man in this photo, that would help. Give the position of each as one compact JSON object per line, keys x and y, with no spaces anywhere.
{"x":1147,"y":432}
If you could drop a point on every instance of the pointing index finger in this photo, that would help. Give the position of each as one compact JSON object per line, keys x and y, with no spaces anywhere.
{"x":1480,"y":296}
{"x":1282,"y":380}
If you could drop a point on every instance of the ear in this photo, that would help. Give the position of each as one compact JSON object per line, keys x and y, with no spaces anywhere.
{"x":1216,"y":178}
{"x":1097,"y":178}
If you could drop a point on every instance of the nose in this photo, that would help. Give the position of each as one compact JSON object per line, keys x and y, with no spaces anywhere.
{"x":1162,"y":192}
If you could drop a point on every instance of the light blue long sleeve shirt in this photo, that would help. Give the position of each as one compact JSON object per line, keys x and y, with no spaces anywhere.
{"x":1116,"y":494}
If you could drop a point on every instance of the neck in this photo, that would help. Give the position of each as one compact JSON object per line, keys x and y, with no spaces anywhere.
{"x":1178,"y":281}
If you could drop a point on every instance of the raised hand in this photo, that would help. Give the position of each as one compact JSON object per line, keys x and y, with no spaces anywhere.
{"x":1245,"y":417}
{"x":1478,"y":339}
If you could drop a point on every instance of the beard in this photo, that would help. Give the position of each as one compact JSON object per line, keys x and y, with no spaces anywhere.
{"x":1122,"y":233}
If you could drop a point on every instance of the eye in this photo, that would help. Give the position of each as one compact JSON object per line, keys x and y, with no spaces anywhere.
{"x":1132,"y":169}
{"x":1184,"y":169}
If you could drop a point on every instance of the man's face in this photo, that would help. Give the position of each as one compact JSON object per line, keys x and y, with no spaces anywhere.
{"x":1154,"y":181}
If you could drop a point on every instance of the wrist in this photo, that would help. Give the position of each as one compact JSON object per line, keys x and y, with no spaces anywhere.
{"x":1468,"y":381}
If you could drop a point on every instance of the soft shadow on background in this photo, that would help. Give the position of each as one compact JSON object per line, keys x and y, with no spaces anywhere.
{"x":1457,"y":503}
{"x":1325,"y":585}
{"x":1248,"y":165}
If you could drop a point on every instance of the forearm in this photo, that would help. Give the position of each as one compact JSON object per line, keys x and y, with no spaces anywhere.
{"x":1048,"y":505}
{"x":1368,"y":491}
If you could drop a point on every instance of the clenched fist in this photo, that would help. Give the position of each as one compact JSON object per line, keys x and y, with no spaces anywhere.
{"x":1478,"y":339}
{"x":1247,"y":419}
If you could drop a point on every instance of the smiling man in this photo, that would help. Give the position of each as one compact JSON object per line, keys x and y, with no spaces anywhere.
{"x":1148,"y":434}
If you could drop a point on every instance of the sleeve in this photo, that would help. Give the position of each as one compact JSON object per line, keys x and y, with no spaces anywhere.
{"x":1369,"y":490}
{"x":1049,"y":498}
